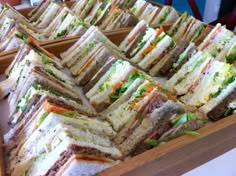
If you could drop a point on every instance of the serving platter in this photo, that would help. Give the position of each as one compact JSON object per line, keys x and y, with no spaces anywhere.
{"x":173,"y":158}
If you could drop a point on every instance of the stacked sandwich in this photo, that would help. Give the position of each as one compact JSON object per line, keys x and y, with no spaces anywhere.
{"x":193,"y":52}
{"x":52,"y":131}
{"x":154,"y":15}
{"x":46,"y":26}
{"x":107,"y":15}
{"x":217,"y":41}
{"x":130,"y":100}
{"x":206,"y":83}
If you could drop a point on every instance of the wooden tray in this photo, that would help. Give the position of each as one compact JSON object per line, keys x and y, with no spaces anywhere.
{"x":173,"y":158}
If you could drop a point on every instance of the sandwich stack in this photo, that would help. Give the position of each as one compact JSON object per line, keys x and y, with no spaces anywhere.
{"x":55,"y":131}
{"x":50,"y":20}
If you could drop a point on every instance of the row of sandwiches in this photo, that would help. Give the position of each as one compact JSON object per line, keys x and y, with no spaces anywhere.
{"x":46,"y":107}
{"x":129,"y":99}
{"x":51,"y":20}
{"x":54,"y":130}
{"x":64,"y":25}
{"x":154,"y":15}
{"x":163,"y":53}
{"x":192,"y":57}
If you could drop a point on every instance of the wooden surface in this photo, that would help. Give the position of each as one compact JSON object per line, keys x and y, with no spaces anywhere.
{"x":182,"y":154}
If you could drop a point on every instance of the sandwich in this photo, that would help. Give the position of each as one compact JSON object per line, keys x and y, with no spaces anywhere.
{"x":73,"y":141}
{"x":113,"y":84}
{"x":29,"y":44}
{"x":56,"y":22}
{"x":190,"y":74}
{"x":86,"y":8}
{"x":152,"y":53}
{"x":216,"y":40}
{"x":48,"y":77}
{"x":187,"y":28}
{"x":141,"y":42}
{"x":83,"y":46}
{"x":172,"y":61}
{"x":6,"y":27}
{"x":222,"y":104}
{"x":130,"y":39}
{"x":47,"y":16}
{"x":181,"y":124}
{"x":95,"y":77}
{"x":11,"y":41}
{"x":92,"y":13}
{"x":139,"y":7}
{"x":38,"y":10}
{"x":77,"y":7}
{"x":101,"y":13}
{"x":152,"y":125}
{"x":69,"y":26}
{"x":79,"y":164}
{"x":228,"y":52}
{"x":9,"y":12}
{"x":216,"y":77}
{"x":68,"y":113}
{"x":149,"y":13}
{"x":95,"y":63}
{"x":33,"y":100}
{"x":166,"y":15}
{"x":128,"y":110}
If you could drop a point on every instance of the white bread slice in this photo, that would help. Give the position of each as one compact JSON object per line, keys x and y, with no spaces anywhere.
{"x":48,"y":15}
{"x":222,"y":55}
{"x":132,"y":36}
{"x":38,"y":11}
{"x":213,"y":79}
{"x":42,"y":167}
{"x":66,"y":53}
{"x":209,"y":37}
{"x":98,"y":96}
{"x":78,"y":6}
{"x":149,"y":12}
{"x":56,"y":21}
{"x":183,"y":29}
{"x":149,"y":36}
{"x":36,"y":146}
{"x":138,"y":6}
{"x":93,"y":12}
{"x":215,"y":101}
{"x":86,"y":165}
{"x":155,"y":53}
{"x":188,"y":74}
{"x":172,"y":17}
{"x":125,"y":97}
{"x":62,"y":27}
{"x":123,"y":114}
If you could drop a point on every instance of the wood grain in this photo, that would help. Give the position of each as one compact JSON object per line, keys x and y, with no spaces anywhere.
{"x":182,"y":154}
